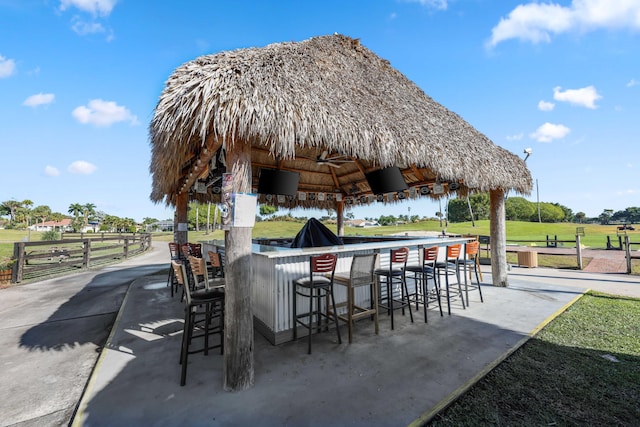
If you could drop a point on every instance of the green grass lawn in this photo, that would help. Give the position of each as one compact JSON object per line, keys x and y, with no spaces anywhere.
{"x":581,"y":369}
{"x":595,"y":235}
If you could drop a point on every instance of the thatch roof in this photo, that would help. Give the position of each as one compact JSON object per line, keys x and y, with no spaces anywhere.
{"x":293,"y":101}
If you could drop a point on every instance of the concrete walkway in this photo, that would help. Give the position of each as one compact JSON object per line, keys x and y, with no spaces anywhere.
{"x":53,"y":333}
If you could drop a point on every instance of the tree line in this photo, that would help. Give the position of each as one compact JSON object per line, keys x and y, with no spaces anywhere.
{"x":477,"y":207}
{"x":21,"y":215}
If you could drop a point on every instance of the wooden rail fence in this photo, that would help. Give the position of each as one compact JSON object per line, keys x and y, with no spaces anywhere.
{"x":36,"y":260}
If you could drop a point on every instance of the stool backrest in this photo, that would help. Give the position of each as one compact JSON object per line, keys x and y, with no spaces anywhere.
{"x":325,"y":263}
{"x":177,"y":270}
{"x":399,"y":255}
{"x":195,"y":249}
{"x":430,"y":255}
{"x":363,"y":269}
{"x":198,"y":266}
{"x":216,"y":263}
{"x":174,"y":250}
{"x":185,"y":249}
{"x":472,"y":249}
{"x":453,"y":251}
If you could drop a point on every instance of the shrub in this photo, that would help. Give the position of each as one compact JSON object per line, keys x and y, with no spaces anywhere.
{"x":50,"y":235}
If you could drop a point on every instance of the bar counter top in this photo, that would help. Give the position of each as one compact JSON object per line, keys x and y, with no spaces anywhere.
{"x":270,"y":251}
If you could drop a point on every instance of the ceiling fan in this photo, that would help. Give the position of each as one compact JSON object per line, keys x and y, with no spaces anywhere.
{"x":333,"y":160}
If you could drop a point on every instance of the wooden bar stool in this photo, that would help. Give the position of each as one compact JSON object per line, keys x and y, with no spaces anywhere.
{"x":318,"y":285}
{"x":361,"y":274}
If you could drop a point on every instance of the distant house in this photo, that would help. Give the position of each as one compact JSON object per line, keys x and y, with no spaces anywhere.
{"x":62,"y":225}
{"x":361,"y":223}
{"x":159,"y":226}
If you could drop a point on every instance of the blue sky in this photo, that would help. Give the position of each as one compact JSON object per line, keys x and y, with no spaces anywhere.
{"x":79,"y":80}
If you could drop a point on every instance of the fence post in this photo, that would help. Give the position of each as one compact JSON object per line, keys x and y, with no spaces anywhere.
{"x":579,"y":251}
{"x":85,"y":253}
{"x":126,"y":247}
{"x":18,"y":268}
{"x":627,"y":250}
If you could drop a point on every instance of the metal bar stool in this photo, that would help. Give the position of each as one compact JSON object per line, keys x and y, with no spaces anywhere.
{"x":316,"y":286}
{"x":394,"y":274}
{"x":421,"y":275}
{"x":448,"y":267}
{"x":470,"y":261}
{"x":361,"y":274}
{"x":203,"y":307}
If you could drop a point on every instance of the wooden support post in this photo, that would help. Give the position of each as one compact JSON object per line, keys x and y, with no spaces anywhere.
{"x":579,"y":251}
{"x":238,"y":314}
{"x":498,"y":234}
{"x":181,"y":220}
{"x":627,"y":249}
{"x":340,"y":215}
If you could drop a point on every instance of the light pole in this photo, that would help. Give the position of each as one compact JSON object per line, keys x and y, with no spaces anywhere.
{"x":527,"y":152}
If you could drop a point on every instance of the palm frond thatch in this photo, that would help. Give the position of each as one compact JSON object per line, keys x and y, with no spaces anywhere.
{"x":293,"y":101}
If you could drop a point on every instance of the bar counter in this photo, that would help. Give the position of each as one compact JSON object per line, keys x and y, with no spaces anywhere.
{"x":276,"y":267}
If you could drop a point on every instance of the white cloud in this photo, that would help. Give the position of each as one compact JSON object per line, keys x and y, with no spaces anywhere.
{"x":39,"y":99}
{"x":433,"y":4}
{"x":83,"y":28}
{"x":82,"y":167}
{"x":537,"y":22}
{"x":549,"y":131}
{"x":516,"y":137}
{"x":51,"y":171}
{"x":7,"y":67}
{"x":103,"y":113}
{"x":546,"y":106}
{"x":95,"y":7}
{"x":585,"y":97}
{"x":632,"y":83}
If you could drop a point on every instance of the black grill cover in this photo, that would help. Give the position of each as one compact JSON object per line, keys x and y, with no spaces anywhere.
{"x":314,"y":234}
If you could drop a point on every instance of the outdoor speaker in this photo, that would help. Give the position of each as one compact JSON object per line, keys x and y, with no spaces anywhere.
{"x":275,"y":181}
{"x":387,"y":180}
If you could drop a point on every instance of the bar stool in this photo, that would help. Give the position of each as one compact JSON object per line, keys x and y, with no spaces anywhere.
{"x":421,"y":275}
{"x":477,"y":239}
{"x":202,"y":308}
{"x":215,"y":262}
{"x":174,"y":252}
{"x":394,"y":274}
{"x":200,"y":274}
{"x":470,"y":261}
{"x":361,"y":274}
{"x":316,"y":286}
{"x":448,"y":267}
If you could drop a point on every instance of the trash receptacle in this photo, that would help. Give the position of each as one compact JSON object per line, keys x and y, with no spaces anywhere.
{"x":528,"y":259}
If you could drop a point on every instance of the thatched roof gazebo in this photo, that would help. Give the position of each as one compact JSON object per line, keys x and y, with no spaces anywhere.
{"x":331,"y":110}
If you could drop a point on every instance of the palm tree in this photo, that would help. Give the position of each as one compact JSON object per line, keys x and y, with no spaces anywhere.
{"x":75,"y":209}
{"x":89,"y":210}
{"x":12,"y":206}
